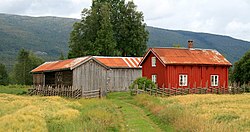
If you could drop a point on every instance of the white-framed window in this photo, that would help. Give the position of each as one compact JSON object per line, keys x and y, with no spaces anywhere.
{"x":154,"y":78}
{"x":183,"y":79}
{"x":214,"y":80}
{"x":153,"y":60}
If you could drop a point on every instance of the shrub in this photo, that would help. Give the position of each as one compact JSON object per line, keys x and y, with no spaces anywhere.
{"x":141,"y":82}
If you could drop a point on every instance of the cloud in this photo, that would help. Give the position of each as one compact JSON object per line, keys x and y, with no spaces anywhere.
{"x":212,"y":16}
{"x":63,"y":8}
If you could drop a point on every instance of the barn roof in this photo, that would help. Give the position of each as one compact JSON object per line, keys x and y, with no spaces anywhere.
{"x":120,"y":62}
{"x":60,"y":64}
{"x":70,"y":64}
{"x":188,"y":56}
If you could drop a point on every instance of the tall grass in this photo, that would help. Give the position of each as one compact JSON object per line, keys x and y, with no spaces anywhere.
{"x":201,"y":112}
{"x":25,"y":113}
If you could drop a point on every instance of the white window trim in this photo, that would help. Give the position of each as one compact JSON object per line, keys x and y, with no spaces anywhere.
{"x":183,"y":77}
{"x":214,"y":83}
{"x":153,"y":61}
{"x":154,"y":78}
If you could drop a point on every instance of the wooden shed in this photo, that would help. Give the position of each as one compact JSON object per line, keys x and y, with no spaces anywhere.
{"x":89,"y":73}
{"x":186,"y":67}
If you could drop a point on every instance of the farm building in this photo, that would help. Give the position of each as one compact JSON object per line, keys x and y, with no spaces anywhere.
{"x":89,"y":73}
{"x":186,"y":67}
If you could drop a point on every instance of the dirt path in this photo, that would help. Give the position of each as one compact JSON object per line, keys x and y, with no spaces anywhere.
{"x":135,"y":118}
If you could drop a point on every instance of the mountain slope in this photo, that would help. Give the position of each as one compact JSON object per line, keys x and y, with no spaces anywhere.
{"x":46,"y":36}
{"x":49,"y":36}
{"x":231,"y":48}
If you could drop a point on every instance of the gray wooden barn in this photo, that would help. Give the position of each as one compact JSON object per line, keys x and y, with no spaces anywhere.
{"x":89,"y":73}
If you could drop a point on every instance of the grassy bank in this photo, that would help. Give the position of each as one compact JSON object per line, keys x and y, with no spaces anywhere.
{"x":201,"y":112}
{"x":14,"y":89}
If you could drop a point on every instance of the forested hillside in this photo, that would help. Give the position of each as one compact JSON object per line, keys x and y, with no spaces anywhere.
{"x":45,"y":36}
{"x":48,"y":38}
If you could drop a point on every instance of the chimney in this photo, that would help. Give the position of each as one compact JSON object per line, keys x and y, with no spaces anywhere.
{"x":190,"y":44}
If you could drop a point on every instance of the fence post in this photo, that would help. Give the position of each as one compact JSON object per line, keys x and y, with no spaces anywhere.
{"x":144,"y":86}
{"x":162,"y":90}
{"x":136,"y":89}
{"x":150,"y":88}
{"x":100,"y":92}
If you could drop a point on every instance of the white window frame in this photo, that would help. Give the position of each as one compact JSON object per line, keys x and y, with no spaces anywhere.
{"x":183,"y":80}
{"x":214,"y":79}
{"x":154,"y":78}
{"x":153,"y":61}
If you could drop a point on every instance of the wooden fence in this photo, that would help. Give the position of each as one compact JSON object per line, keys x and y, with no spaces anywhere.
{"x":56,"y":91}
{"x":184,"y":91}
{"x":65,"y":91}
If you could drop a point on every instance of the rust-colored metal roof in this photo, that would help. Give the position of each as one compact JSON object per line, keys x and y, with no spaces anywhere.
{"x":60,"y":65}
{"x":189,"y":56}
{"x":120,"y":62}
{"x":112,"y":62}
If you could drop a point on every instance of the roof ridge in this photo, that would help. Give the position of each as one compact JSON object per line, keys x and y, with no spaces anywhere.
{"x":115,"y":57}
{"x":181,"y":48}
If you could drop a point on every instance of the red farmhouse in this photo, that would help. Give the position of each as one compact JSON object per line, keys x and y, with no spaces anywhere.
{"x":185,"y":67}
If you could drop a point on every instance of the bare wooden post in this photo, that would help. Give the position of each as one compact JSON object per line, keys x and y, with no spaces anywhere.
{"x":136,"y":89}
{"x":163,"y":87}
{"x":244,"y":87}
{"x":150,"y":88}
{"x":101,"y":92}
{"x":144,"y":86}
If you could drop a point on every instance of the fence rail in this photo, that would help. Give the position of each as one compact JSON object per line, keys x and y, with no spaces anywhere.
{"x":65,"y":91}
{"x":92,"y":94}
{"x":185,"y":91}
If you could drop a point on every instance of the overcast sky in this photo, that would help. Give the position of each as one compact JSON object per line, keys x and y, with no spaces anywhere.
{"x":225,"y":17}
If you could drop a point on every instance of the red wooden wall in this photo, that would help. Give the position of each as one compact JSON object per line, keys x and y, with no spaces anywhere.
{"x":198,"y":75}
{"x":159,"y":70}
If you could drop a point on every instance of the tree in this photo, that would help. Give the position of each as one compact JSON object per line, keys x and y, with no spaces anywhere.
{"x":4,"y":79}
{"x":110,"y":27}
{"x":26,"y":61}
{"x":105,"y":36}
{"x":61,"y":56}
{"x":241,"y":71}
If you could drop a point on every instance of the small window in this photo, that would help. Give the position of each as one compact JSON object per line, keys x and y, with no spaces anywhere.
{"x":183,"y":80}
{"x":154,"y":78}
{"x":153,"y":60}
{"x":214,"y":80}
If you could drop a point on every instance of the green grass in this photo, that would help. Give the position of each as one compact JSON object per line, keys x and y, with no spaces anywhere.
{"x":137,"y":118}
{"x":14,"y":89}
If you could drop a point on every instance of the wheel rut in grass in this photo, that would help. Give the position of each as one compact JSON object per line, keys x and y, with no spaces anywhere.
{"x":135,"y":118}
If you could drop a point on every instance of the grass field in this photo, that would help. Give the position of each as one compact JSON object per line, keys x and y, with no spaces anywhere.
{"x":24,"y":113}
{"x":201,"y":112}
{"x":122,"y":112}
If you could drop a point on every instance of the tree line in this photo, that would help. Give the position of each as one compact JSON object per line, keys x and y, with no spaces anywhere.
{"x":20,"y":74}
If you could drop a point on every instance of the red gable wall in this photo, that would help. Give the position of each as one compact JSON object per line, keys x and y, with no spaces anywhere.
{"x":198,"y":75}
